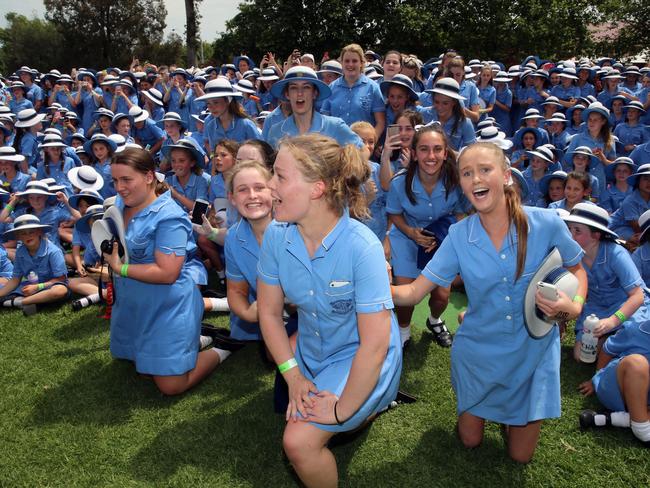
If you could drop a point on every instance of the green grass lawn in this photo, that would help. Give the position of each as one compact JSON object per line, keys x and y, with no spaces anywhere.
{"x":72,"y":416}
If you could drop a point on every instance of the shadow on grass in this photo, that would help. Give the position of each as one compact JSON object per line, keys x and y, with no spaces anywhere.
{"x":440,"y":458}
{"x":82,"y":325}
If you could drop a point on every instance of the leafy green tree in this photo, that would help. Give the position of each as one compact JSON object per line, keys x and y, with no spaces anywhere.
{"x":98,"y":33}
{"x":32,"y":42}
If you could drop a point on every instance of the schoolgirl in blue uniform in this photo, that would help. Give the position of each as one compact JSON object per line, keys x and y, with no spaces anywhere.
{"x":574,"y":119}
{"x":586,"y":88}
{"x":11,"y":178}
{"x":525,"y":140}
{"x":448,"y":110}
{"x":180,"y":95}
{"x":556,"y":128}
{"x":156,"y":317}
{"x":227,"y":119}
{"x":624,"y":221}
{"x":499,"y":373}
{"x":6,"y":267}
{"x":124,"y":97}
{"x":146,"y":132}
{"x":355,"y":97}
{"x":455,"y":69}
{"x":399,"y":144}
{"x":632,"y":133}
{"x":617,"y":189}
{"x":348,"y":358}
{"x":615,"y":285}
{"x":503,"y":102}
{"x":187,"y":183}
{"x":486,"y":92}
{"x":552,"y":188}
{"x":567,"y":92}
{"x":641,"y":256}
{"x":577,"y":189}
{"x":88,"y":98}
{"x":55,"y":164}
{"x":39,"y":273}
{"x":101,"y":148}
{"x":539,"y":159}
{"x":427,"y":193}
{"x":19,"y":101}
{"x":399,"y":94}
{"x":26,"y":142}
{"x":302,"y":89}
{"x":584,"y":161}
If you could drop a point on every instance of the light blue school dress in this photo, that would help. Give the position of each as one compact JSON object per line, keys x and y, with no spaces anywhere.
{"x":58,"y":171}
{"x":378,"y":221}
{"x":240,"y":130}
{"x":598,"y":170}
{"x":16,"y":106}
{"x":158,"y":325}
{"x":196,"y":187}
{"x":46,"y":264}
{"x":51,"y":215}
{"x":149,"y":134}
{"x":345,"y":277}
{"x":6,"y":266}
{"x":629,"y":134}
{"x":534,"y":192}
{"x":641,"y":259}
{"x":84,"y":241}
{"x":325,"y":125}
{"x":566,"y":94}
{"x":612,"y":197}
{"x":498,"y":371}
{"x":611,"y":276}
{"x":359,"y":102}
{"x":630,"y":210}
{"x":462,"y":136}
{"x":501,"y":116}
{"x":19,"y":183}
{"x":35,"y":93}
{"x":426,"y":210}
{"x":488,"y":96}
{"x":587,"y":89}
{"x":88,"y":107}
{"x":29,"y":149}
{"x":104,"y":169}
{"x":277,"y":115}
{"x":471,"y":94}
{"x":641,"y":154}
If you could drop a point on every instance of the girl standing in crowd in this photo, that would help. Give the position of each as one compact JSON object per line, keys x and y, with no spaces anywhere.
{"x":347,"y":361}
{"x":503,"y":102}
{"x":617,"y":173}
{"x":499,"y":373}
{"x":26,"y":142}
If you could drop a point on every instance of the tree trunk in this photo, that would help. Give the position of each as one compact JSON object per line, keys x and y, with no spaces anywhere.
{"x":190,"y":32}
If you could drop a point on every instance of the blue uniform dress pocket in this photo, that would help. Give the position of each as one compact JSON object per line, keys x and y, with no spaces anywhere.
{"x":141,"y":249}
{"x":340,"y":295}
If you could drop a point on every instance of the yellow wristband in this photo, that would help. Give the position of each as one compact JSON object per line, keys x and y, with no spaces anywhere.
{"x":579,"y":299}
{"x":287,"y":365}
{"x":40,"y":286}
{"x":620,"y":316}
{"x":124,"y":272}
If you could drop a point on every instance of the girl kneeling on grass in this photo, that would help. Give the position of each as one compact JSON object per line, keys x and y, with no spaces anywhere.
{"x":156,"y":319}
{"x":40,"y":274}
{"x":348,"y":357}
{"x":498,"y":371}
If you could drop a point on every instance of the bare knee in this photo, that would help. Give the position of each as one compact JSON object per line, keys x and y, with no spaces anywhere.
{"x":168,"y":386}
{"x":635,"y":364}
{"x":470,"y":438}
{"x":294,"y":446}
{"x":520,"y":457}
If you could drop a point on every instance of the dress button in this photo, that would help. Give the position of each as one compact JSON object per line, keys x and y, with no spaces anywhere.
{"x":503,"y":256}
{"x":507,"y":299}
{"x":508,"y":317}
{"x":505,"y":279}
{"x":430,"y":205}
{"x":311,"y":292}
{"x":313,"y":314}
{"x":317,"y":334}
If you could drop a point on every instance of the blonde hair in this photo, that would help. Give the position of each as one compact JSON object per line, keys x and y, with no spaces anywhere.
{"x":354,"y":48}
{"x":361,"y":125}
{"x":342,"y":169}
{"x":516,"y":214}
{"x":242,"y":165}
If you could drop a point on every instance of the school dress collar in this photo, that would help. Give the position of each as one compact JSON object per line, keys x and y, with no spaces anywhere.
{"x":601,"y":257}
{"x":245,"y":236}
{"x":296,"y":246}
{"x":154,"y":207}
{"x":478,"y":236}
{"x":290,"y":128}
{"x":42,"y":248}
{"x":417,"y":187}
{"x":338,"y":229}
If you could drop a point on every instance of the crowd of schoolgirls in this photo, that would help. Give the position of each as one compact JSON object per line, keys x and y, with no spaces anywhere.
{"x":574,"y":132}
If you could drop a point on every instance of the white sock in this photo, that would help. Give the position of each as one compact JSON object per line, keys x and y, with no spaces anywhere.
{"x":7,"y":303}
{"x":219,"y":304}
{"x":18,"y":301}
{"x":204,"y":341}
{"x":434,"y":320}
{"x":221,"y":274}
{"x":89,"y":300}
{"x":223,"y":354}
{"x":641,"y":430}
{"x":405,"y":333}
{"x":620,"y":419}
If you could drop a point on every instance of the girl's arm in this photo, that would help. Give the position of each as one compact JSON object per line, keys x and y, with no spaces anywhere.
{"x":76,"y":259}
{"x":413,"y":293}
{"x":628,"y":308}
{"x":412,"y":233}
{"x":386,"y":167}
{"x":238,"y":301}
{"x":565,"y":308}
{"x":182,"y":199}
{"x":10,"y":286}
{"x":380,"y":123}
{"x":164,"y":270}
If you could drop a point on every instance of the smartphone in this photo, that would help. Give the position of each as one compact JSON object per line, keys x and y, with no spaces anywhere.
{"x":548,"y":291}
{"x":427,"y":233}
{"x":199,"y":209}
{"x":393,"y":130}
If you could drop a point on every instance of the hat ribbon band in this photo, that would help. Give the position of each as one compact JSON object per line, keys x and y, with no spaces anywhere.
{"x":588,"y":215}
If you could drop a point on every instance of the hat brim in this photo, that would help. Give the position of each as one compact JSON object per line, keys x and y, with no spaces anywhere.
{"x":537,"y":326}
{"x":82,"y":224}
{"x":74,"y":199}
{"x":153,"y":99}
{"x":11,"y":233}
{"x":73,"y":176}
{"x":576,"y":219}
{"x":111,"y":225}
{"x":31,"y":191}
{"x":142,"y":117}
{"x":15,"y":159}
{"x":220,"y":94}
{"x":324,"y":91}
{"x":540,"y":155}
{"x":448,"y":93}
{"x":198,"y":156}
{"x":31,"y":122}
{"x":243,"y":89}
{"x":88,"y":145}
{"x":384,"y":86}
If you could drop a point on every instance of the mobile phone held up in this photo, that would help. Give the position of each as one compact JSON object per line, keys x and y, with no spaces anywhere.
{"x":393,"y":130}
{"x":198,"y":211}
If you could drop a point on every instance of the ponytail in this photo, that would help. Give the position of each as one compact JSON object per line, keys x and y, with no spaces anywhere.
{"x":517,"y":217}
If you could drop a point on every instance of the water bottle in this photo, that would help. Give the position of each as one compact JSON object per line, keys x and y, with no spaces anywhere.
{"x":589,"y":342}
{"x":32,"y":278}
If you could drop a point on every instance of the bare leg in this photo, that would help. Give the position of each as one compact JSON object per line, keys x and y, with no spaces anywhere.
{"x":522,"y":441}
{"x":470,"y":430}
{"x":175,"y":385}
{"x":403,"y":313}
{"x":53,"y":294}
{"x":306,"y":448}
{"x":633,"y":375}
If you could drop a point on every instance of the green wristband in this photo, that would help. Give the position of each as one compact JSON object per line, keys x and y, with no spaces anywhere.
{"x":620,"y":316}
{"x":579,"y":299}
{"x":40,"y":286}
{"x":9,"y":207}
{"x":287,"y":365}
{"x":124,"y":272}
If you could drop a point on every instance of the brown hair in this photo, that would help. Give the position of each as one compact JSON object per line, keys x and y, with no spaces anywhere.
{"x":515,"y":210}
{"x":231,"y":146}
{"x":448,"y":172}
{"x":342,"y":169}
{"x":139,"y":160}
{"x":196,"y":169}
{"x":265,"y":149}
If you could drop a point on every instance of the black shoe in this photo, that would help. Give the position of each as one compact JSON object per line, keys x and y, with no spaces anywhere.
{"x":76,"y":305}
{"x":587,"y":419}
{"x":29,"y":310}
{"x":403,"y":397}
{"x":221,"y":338}
{"x":440,"y":333}
{"x":208,"y":293}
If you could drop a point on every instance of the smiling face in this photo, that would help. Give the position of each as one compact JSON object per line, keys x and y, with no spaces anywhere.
{"x":123,"y":128}
{"x":291,"y":192}
{"x":369,"y":139}
{"x":574,"y":191}
{"x":251,"y":195}
{"x":37,"y":202}
{"x":444,"y":105}
{"x":430,"y":153}
{"x":528,"y":140}
{"x":218,"y":106}
{"x":172,"y":128}
{"x":100,"y":150}
{"x":538,"y":164}
{"x":54,"y":153}
{"x":556,"y":190}
{"x":182,"y":163}
{"x":406,"y":131}
{"x":483,"y":179}
{"x":31,"y":238}
{"x":352,"y":64}
{"x":583,"y":235}
{"x":132,"y":186}
{"x":392,"y":65}
{"x":581,"y":162}
{"x":397,"y":98}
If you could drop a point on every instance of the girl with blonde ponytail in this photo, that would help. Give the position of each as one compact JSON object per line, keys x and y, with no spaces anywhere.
{"x":347,"y":362}
{"x":498,"y":372}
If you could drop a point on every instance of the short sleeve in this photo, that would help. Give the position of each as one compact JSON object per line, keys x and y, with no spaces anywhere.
{"x":326,"y":108}
{"x":444,"y":265}
{"x":202,"y":188}
{"x":6,"y":268}
{"x":267,"y":267}
{"x":76,"y":239}
{"x":469,"y":136}
{"x":171,"y":236}
{"x":393,"y":201}
{"x":233,"y":272}
{"x":626,"y":271}
{"x":371,"y":285}
{"x":493,"y":97}
{"x":378,"y":103}
{"x":57,"y":262}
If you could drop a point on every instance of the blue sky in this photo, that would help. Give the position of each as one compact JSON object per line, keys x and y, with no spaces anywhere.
{"x":214,"y":14}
